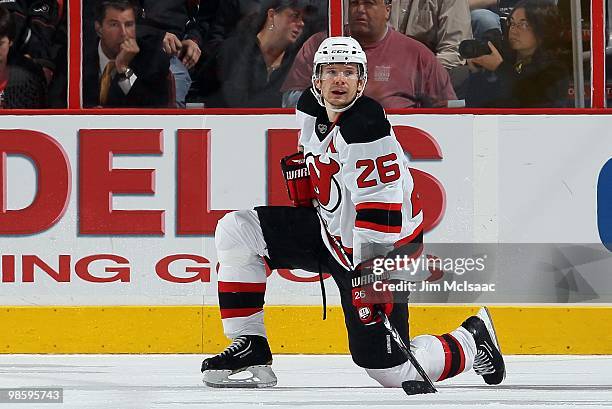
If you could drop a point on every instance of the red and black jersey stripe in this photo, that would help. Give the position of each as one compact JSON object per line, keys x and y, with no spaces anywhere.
{"x":410,"y":247}
{"x":454,"y":357}
{"x":240,"y":299}
{"x":347,"y":250}
{"x":382,"y":217}
{"x":415,"y":237}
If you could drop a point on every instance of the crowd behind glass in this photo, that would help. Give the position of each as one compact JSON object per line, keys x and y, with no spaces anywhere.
{"x":258,"y":53}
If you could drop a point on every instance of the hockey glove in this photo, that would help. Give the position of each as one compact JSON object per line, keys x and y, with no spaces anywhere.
{"x":298,"y":181}
{"x":370,"y":293}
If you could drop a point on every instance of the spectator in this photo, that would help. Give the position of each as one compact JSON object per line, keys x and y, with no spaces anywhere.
{"x":254,"y":63}
{"x":179,"y":25}
{"x":22,"y":84}
{"x":204,"y":74}
{"x":178,"y":22}
{"x":439,"y":24}
{"x":207,"y":10}
{"x":119,"y":71}
{"x":534,"y":72}
{"x":230,"y":19}
{"x":41,"y":35}
{"x":231,"y":12}
{"x":402,"y":72}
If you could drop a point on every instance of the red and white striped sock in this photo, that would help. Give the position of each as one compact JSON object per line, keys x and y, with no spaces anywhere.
{"x":242,"y":273}
{"x":447,"y":355}
{"x":441,"y":357}
{"x":241,"y":306}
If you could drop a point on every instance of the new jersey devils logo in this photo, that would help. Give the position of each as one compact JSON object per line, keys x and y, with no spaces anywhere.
{"x":322,"y":175}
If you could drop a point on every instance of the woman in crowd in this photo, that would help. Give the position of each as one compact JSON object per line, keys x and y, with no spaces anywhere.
{"x":533,"y":72}
{"x":22,"y":83}
{"x":255,"y":61}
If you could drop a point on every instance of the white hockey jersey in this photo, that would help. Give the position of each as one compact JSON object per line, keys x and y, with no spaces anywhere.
{"x":365,"y":192}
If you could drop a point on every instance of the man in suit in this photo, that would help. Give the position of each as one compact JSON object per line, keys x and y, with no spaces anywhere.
{"x":121,"y":72}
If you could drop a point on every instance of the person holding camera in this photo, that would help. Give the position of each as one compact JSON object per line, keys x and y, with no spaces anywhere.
{"x":531,"y":72}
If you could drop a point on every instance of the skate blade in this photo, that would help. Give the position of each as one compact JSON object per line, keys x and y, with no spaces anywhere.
{"x":485,"y":316}
{"x":260,"y":376}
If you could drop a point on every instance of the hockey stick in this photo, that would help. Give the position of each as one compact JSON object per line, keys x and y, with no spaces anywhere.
{"x":410,"y":387}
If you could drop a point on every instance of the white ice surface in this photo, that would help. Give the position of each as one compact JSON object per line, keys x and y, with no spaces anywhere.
{"x":331,"y":381}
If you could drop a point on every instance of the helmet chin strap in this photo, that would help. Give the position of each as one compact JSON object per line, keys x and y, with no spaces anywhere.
{"x":321,"y":102}
{"x":333,"y":109}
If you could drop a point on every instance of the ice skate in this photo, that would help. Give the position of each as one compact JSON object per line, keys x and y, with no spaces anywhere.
{"x":488,"y":362}
{"x":246,"y":363}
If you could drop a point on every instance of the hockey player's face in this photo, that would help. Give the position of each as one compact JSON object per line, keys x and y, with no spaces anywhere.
{"x":339,"y":83}
{"x":117,"y":26}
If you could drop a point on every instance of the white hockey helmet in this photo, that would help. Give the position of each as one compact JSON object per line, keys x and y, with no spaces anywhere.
{"x":339,"y":50}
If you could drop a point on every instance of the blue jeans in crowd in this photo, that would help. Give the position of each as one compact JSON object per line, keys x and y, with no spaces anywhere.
{"x":484,"y":20}
{"x":182,"y":80}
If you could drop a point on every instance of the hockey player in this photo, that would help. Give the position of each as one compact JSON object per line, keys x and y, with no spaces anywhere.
{"x":364,"y":207}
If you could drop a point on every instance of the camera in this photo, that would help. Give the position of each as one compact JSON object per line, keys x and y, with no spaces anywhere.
{"x":473,"y":48}
{"x":477,"y":48}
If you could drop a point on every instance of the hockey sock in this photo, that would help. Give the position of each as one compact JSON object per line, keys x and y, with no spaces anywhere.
{"x":242,"y":275}
{"x":441,"y":357}
{"x":445,"y":355}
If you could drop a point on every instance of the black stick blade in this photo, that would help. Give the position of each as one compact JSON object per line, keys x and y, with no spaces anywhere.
{"x":417,"y":387}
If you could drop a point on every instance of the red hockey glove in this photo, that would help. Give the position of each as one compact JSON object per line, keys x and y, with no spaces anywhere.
{"x":370,"y":294}
{"x":298,"y":181}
